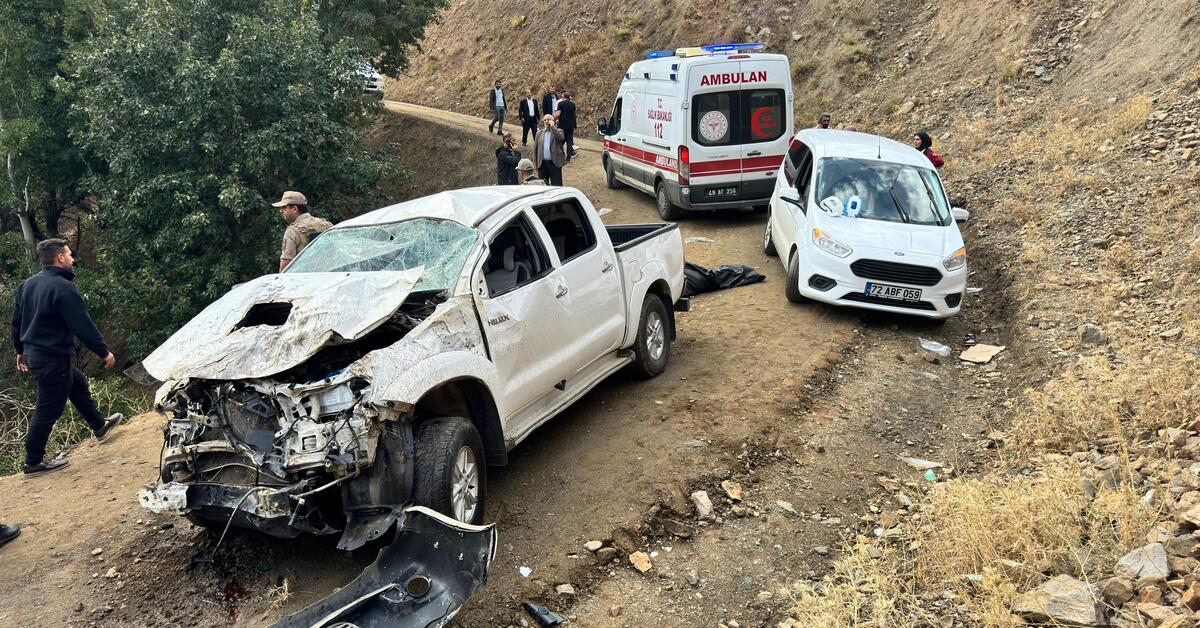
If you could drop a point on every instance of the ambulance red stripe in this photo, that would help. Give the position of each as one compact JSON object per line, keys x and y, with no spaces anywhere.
{"x":720,"y":167}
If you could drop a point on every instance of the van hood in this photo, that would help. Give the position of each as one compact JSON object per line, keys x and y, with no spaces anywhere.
{"x":297,"y":315}
{"x":894,"y":236}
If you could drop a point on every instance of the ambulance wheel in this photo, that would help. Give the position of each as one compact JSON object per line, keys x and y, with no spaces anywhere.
{"x":666,"y":209}
{"x":792,"y":289}
{"x":768,"y":243}
{"x":613,"y":184}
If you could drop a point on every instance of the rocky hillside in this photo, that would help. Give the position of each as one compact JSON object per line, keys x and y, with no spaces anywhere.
{"x":1072,"y":133}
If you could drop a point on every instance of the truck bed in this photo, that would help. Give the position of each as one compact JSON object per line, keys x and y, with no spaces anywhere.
{"x":625,"y":237}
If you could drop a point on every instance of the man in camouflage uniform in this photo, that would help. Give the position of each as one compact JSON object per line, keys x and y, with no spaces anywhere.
{"x":302,"y":228}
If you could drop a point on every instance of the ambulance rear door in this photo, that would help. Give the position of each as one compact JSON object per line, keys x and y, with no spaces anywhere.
{"x":765,"y":122}
{"x":713,"y":137}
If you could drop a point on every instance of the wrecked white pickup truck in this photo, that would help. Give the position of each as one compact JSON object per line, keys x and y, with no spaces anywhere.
{"x":400,"y":354}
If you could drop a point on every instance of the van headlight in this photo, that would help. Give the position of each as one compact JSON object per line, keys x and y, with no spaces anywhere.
{"x":957,"y":260}
{"x":829,"y":245}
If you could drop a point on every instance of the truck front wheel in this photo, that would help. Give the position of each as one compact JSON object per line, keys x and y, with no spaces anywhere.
{"x":448,"y":468}
{"x":652,"y":348}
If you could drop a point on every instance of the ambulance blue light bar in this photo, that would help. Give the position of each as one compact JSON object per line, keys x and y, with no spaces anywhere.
{"x":732,"y":47}
{"x":657,"y":54}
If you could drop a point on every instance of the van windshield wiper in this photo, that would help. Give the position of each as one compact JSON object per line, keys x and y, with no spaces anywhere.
{"x":899,"y":207}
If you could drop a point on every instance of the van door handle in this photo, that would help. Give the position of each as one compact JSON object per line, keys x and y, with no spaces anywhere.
{"x":607,"y":267}
{"x":754,"y":153}
{"x":562,"y":292}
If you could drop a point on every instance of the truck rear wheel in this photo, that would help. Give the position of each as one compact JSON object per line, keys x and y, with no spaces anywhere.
{"x":449,"y":474}
{"x":613,"y":183}
{"x":666,"y":209}
{"x":652,"y":349}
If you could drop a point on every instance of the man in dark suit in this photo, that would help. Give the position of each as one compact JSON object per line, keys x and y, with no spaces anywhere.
{"x":550,"y":101}
{"x":530,"y":114}
{"x":497,"y":105}
{"x":566,"y":121}
{"x":548,"y":151}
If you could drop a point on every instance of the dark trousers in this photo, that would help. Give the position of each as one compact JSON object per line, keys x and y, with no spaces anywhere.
{"x":497,"y":116}
{"x":528,"y":127}
{"x":550,"y":173}
{"x":569,"y":142}
{"x":57,"y":380}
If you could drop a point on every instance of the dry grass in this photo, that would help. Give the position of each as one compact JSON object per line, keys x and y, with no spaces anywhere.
{"x":860,"y":592}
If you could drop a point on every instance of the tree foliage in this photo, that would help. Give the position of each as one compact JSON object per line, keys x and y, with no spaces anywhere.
{"x":382,"y":30}
{"x":203,"y":111}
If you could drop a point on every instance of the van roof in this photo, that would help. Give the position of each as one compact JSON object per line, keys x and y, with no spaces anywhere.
{"x":831,"y":143}
{"x":468,"y":206}
{"x":662,"y":67}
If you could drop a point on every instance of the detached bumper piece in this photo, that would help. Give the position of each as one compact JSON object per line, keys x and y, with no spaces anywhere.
{"x":420,"y":580}
{"x":271,"y":510}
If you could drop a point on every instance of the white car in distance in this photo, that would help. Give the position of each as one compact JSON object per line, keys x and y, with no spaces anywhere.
{"x":863,"y":221}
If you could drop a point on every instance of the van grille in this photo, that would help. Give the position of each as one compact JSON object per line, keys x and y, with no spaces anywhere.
{"x":899,"y":273}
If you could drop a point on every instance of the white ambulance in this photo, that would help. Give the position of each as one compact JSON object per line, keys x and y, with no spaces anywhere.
{"x":700,"y":128}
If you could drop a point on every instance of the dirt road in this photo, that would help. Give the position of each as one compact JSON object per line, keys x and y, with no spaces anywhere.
{"x":743,"y":390}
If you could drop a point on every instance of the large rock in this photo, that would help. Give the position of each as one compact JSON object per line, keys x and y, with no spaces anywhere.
{"x":1092,"y":334}
{"x":1147,"y":561}
{"x":1064,"y":600}
{"x":1116,"y":591}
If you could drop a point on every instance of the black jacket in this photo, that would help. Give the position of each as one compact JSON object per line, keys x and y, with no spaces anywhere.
{"x":566,"y":119}
{"x":527,"y":116}
{"x":548,"y":104}
{"x":49,"y":313}
{"x":506,"y":165}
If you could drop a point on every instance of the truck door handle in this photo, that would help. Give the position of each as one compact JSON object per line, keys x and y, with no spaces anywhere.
{"x":754,"y":153}
{"x":607,"y":267}
{"x":562,"y":292}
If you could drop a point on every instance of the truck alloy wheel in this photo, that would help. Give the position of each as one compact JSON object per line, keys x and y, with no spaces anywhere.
{"x":652,"y":349}
{"x":449,"y":476}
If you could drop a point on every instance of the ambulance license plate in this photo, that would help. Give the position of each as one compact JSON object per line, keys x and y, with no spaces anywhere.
{"x":721,"y":192}
{"x":885,"y":291}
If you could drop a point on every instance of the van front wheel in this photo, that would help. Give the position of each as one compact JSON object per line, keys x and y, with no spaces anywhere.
{"x":613,"y":183}
{"x":666,"y":209}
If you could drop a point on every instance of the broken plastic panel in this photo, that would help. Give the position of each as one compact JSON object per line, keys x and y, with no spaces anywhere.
{"x":421,"y":580}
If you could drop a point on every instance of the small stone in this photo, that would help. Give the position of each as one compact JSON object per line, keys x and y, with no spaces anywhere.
{"x":1159,"y":144}
{"x":906,"y":108}
{"x":704,"y":507}
{"x":79,"y":607}
{"x":605,"y":555}
{"x":565,"y":589}
{"x":1039,"y":70}
{"x":1150,"y":595}
{"x":677,"y":528}
{"x":112,"y":573}
{"x":874,"y":552}
{"x":1092,"y":334}
{"x":692,"y":577}
{"x":732,"y":489}
{"x":98,"y":551}
{"x":1116,"y":591}
{"x":1183,"y":545}
{"x":1154,"y":612}
{"x":822,"y":550}
{"x":593,"y":546}
{"x":1170,"y":333}
{"x":640,"y":561}
{"x":615,"y":611}
{"x":786,"y":506}
{"x":1061,"y":599}
{"x":1150,"y":560}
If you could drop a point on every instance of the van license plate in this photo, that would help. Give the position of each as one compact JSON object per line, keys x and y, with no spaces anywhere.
{"x":893,"y":292}
{"x":720,"y":192}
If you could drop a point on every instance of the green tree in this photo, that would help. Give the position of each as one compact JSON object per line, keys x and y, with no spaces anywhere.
{"x":382,"y":30}
{"x":42,"y":166}
{"x":203,"y":111}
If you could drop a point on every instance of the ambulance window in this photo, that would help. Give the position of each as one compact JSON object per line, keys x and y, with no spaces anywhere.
{"x":712,"y":116}
{"x":614,"y":123}
{"x":763,"y":115}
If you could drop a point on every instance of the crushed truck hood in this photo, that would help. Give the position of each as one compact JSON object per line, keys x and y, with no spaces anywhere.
{"x":325,"y":308}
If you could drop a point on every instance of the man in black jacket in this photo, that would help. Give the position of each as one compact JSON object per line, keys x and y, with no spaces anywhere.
{"x":48,"y":315}
{"x":507,"y":158}
{"x":530,"y":114}
{"x":550,"y":101}
{"x":566,"y":121}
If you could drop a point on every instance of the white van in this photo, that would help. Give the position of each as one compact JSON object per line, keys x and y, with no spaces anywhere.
{"x":700,"y":128}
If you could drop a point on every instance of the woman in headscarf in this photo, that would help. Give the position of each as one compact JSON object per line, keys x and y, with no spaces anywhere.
{"x":923,"y":143}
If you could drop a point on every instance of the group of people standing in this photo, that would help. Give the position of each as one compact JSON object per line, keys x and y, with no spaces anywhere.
{"x":552,"y":123}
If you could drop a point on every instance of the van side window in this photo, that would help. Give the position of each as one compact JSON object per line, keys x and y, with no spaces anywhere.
{"x":569,"y":229}
{"x":614,"y":123}
{"x":713,"y":121}
{"x":515,"y":257}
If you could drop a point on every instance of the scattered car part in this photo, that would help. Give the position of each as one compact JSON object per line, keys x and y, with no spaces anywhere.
{"x":544,"y":617}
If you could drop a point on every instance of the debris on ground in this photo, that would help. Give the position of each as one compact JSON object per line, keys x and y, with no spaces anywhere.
{"x":936,"y":348}
{"x":920,"y":464}
{"x":704,"y":506}
{"x":699,"y":239}
{"x":981,"y":354}
{"x":732,"y":489}
{"x":640,"y":561}
{"x":698,"y":279}
{"x":542,"y":615}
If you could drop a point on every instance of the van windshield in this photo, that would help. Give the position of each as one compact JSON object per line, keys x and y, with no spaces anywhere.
{"x":886,"y":191}
{"x":441,"y":246}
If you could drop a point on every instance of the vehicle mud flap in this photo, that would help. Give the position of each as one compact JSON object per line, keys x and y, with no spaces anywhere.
{"x":421,"y":580}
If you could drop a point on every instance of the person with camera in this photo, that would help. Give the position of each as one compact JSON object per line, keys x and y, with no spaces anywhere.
{"x":507,"y":158}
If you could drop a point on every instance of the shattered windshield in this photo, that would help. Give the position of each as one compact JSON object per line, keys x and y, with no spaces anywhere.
{"x":886,"y":191}
{"x":441,"y":246}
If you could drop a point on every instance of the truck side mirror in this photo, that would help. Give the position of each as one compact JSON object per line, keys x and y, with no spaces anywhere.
{"x":602,"y":126}
{"x":960,"y":214}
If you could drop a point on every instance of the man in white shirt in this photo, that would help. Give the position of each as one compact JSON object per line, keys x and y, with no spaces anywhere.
{"x":529,"y":117}
{"x":496,"y":102}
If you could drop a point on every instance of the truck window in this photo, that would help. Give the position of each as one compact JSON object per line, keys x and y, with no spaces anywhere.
{"x":515,"y":258}
{"x":712,"y":116}
{"x":614,"y":123}
{"x":569,"y":228}
{"x":738,"y":117}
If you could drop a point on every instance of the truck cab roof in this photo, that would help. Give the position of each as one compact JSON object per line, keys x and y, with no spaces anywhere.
{"x":468,"y":206}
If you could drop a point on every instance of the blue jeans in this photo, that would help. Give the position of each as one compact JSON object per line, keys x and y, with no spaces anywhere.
{"x":57,"y":380}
